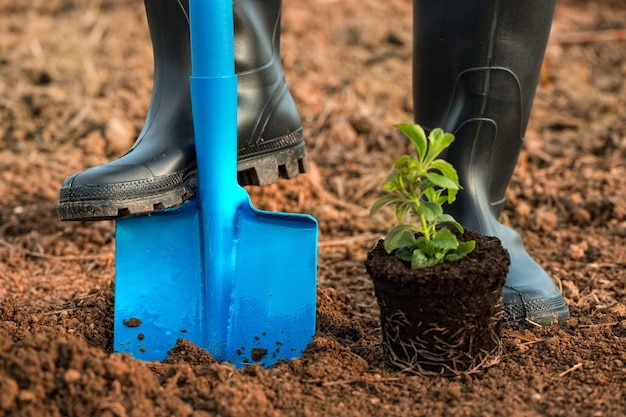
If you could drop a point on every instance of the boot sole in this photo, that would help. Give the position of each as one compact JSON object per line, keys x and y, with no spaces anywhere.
{"x":287,"y":163}
{"x":537,"y":313}
{"x":257,"y":170}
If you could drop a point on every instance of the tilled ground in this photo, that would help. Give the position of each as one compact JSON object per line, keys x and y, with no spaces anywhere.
{"x":75,"y":82}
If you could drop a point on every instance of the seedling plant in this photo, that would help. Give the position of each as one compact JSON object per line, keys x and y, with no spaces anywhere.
{"x":419,"y":187}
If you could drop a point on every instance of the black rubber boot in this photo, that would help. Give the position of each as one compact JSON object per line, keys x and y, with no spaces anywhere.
{"x":160,"y":169}
{"x":475,"y":72}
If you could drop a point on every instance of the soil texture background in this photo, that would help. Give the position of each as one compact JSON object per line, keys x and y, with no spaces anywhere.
{"x":75,"y":83}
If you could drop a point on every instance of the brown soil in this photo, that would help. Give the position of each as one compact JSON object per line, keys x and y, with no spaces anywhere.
{"x":75,"y":81}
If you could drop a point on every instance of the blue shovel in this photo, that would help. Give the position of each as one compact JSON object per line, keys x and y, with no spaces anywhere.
{"x":237,"y":281}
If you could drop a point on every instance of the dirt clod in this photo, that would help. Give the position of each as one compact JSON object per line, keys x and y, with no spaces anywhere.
{"x":132,"y":322}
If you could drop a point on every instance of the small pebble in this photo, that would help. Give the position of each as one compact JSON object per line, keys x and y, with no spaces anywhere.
{"x":71,"y":375}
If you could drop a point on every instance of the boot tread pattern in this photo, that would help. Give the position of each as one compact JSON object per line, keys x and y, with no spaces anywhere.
{"x":117,"y":201}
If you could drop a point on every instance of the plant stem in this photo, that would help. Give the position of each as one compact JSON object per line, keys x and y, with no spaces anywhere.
{"x":424,"y":227}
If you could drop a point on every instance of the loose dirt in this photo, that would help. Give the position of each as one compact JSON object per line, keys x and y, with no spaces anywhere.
{"x":75,"y":82}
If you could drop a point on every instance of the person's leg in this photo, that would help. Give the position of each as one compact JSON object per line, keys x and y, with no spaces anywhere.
{"x":160,"y":169}
{"x":475,"y":72}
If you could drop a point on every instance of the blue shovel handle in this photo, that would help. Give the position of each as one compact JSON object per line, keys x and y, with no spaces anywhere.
{"x":214,"y":95}
{"x":214,"y":107}
{"x":212,"y":40}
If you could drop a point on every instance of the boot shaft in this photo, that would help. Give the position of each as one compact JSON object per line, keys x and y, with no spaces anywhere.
{"x":453,"y":38}
{"x":266,"y":108}
{"x":476,"y":68}
{"x":257,"y":32}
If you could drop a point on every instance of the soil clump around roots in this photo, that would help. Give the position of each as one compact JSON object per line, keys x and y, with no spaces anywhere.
{"x":446,"y":319}
{"x":75,"y":84}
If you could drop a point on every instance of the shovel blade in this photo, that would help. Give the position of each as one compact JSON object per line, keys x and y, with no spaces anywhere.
{"x":162,"y":292}
{"x":274,"y":305}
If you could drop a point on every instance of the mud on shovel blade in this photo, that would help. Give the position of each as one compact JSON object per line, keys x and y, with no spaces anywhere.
{"x":259,"y":267}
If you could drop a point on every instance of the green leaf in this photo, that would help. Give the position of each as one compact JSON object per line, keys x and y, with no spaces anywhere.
{"x":404,"y":254}
{"x":420,"y":260}
{"x":417,"y":135}
{"x":430,"y":194}
{"x":401,"y":210}
{"x":438,"y":140}
{"x":400,"y":236}
{"x":463,"y":250}
{"x":430,"y":210}
{"x":441,"y":181}
{"x":444,"y":239}
{"x":448,"y":219}
{"x":384,"y":201}
{"x":466,"y":247}
{"x":435,"y":196}
{"x":394,"y":181}
{"x":452,"y":256}
{"x":447,"y":170}
{"x":405,"y":162}
{"x":451,"y":196}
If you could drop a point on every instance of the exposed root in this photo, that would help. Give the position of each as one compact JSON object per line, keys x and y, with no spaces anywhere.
{"x":439,"y":351}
